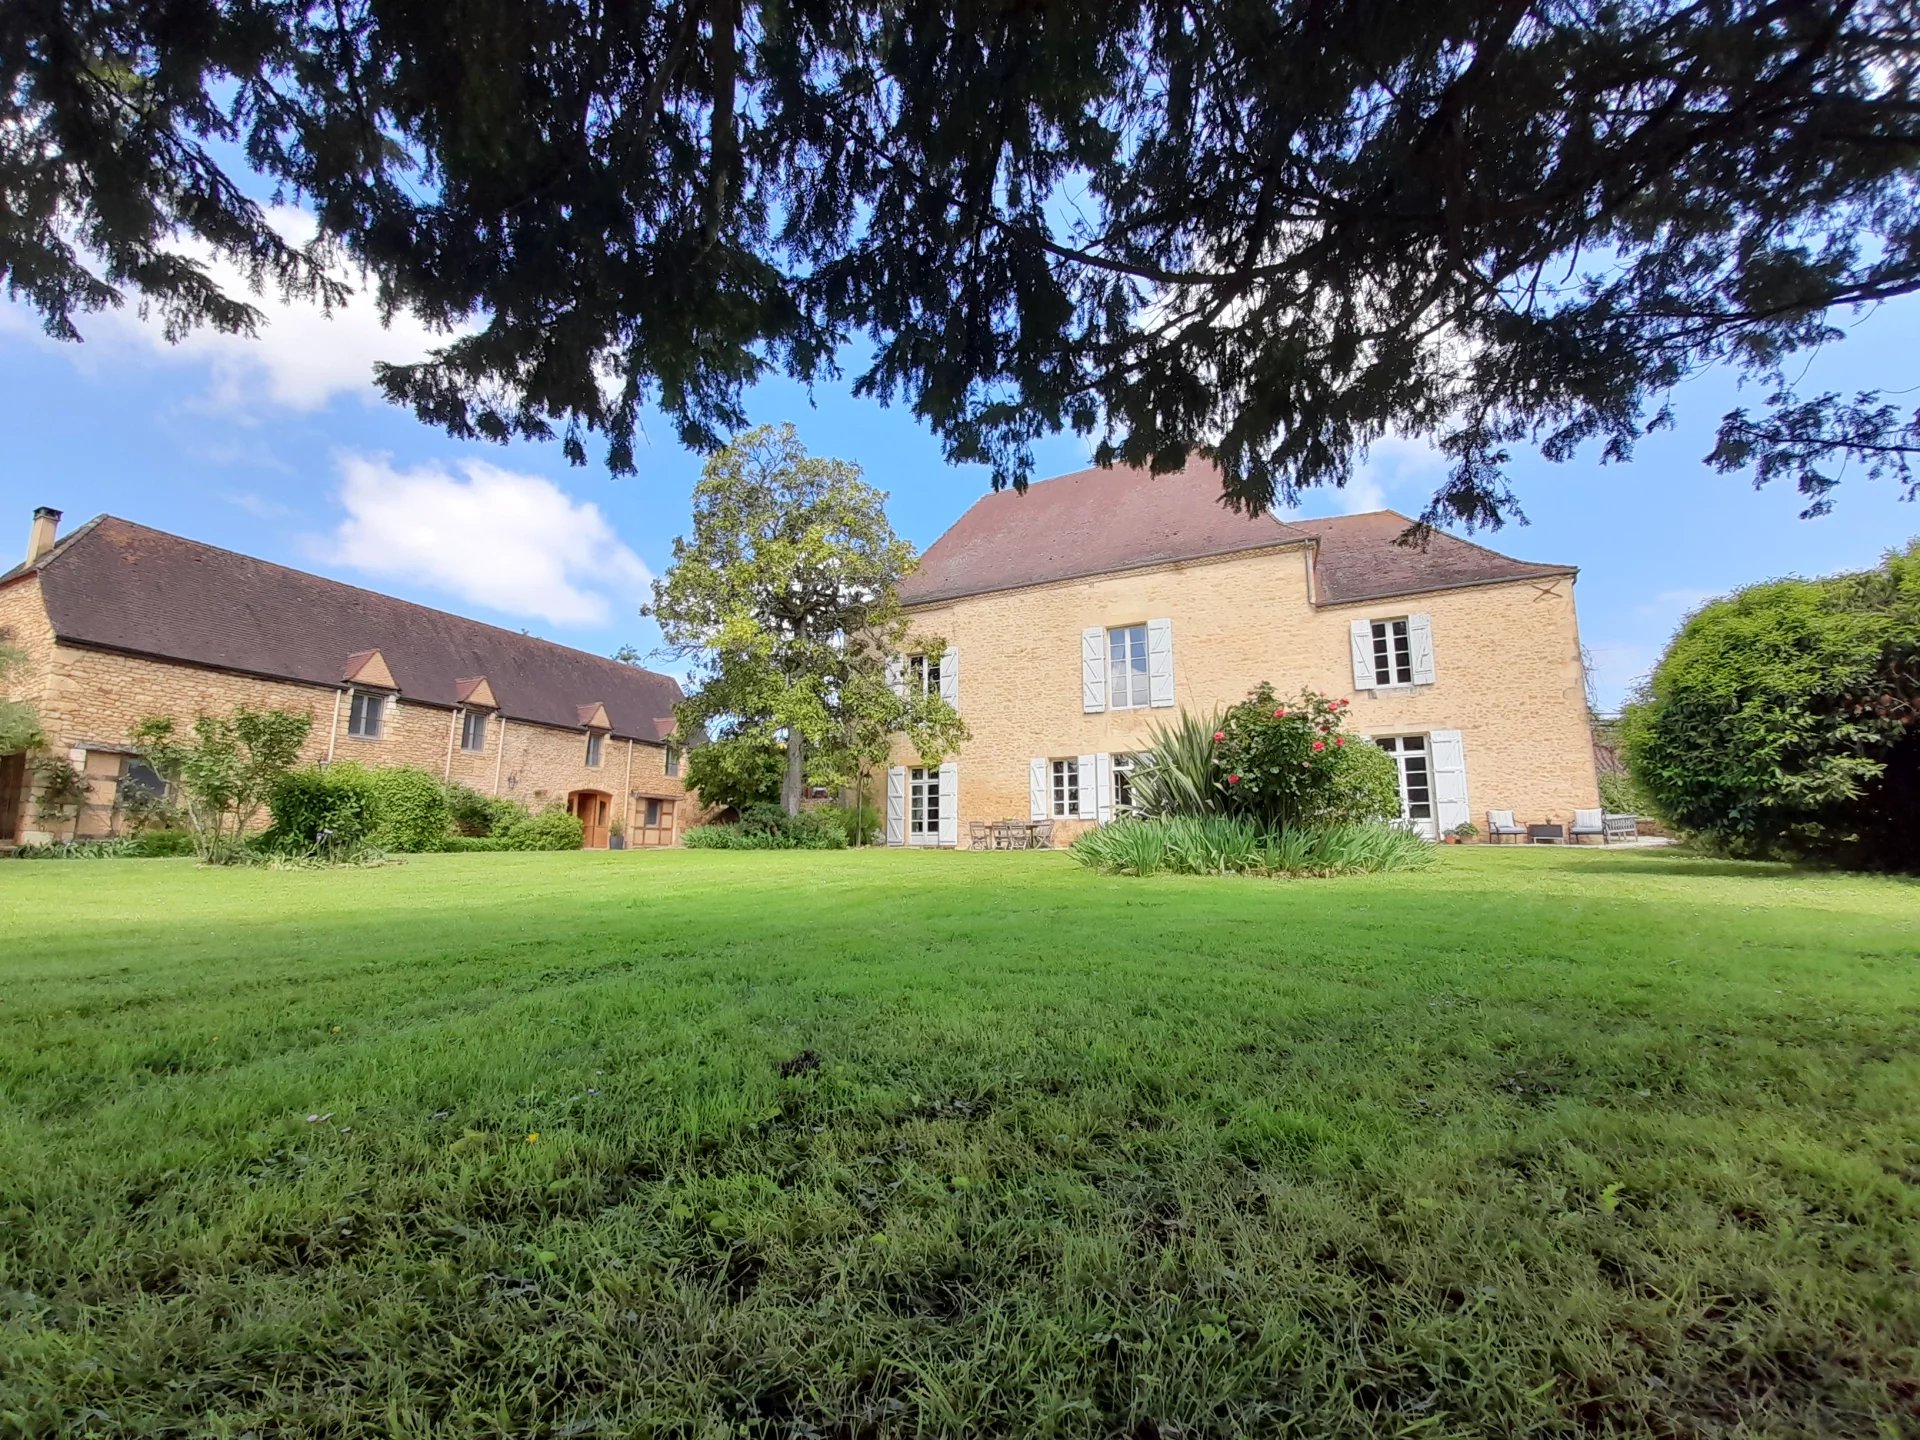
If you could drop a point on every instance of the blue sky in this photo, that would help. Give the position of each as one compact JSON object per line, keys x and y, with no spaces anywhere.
{"x":278,"y":446}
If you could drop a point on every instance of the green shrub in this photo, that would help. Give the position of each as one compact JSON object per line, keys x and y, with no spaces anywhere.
{"x":1280,"y":764}
{"x":475,"y":814}
{"x":1296,"y":763}
{"x":410,"y":810}
{"x":161,"y":844}
{"x":1784,"y":721}
{"x":338,"y":802}
{"x":1239,"y":845}
{"x":148,"y":845}
{"x":736,"y":772}
{"x":862,"y":828}
{"x":470,"y":843}
{"x":768,"y":827}
{"x":549,"y":830}
{"x":1621,"y":796}
{"x":106,"y":848}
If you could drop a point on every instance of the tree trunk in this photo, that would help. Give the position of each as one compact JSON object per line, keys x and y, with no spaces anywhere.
{"x":795,"y":784}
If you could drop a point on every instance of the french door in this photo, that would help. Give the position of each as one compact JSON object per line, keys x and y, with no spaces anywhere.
{"x":923,"y":807}
{"x":1411,"y":763}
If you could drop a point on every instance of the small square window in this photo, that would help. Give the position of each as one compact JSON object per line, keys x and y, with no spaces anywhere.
{"x":366,"y":715}
{"x":653,"y":814}
{"x":594,"y":739}
{"x":473,"y":731}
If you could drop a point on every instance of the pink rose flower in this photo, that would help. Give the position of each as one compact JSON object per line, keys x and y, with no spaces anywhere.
{"x":1319,"y":744}
{"x":1219,"y":735}
{"x":1233,"y":779}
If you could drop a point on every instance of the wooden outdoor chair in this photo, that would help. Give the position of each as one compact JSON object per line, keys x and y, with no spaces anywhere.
{"x":1040,"y":836}
{"x":1501,"y":828}
{"x":1619,"y":827}
{"x":979,"y":835}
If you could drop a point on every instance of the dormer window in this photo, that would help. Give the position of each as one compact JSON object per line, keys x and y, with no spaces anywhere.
{"x":594,"y":746}
{"x":473,"y":731}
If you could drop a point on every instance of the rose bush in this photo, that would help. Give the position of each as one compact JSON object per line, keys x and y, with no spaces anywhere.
{"x":1295,"y":762}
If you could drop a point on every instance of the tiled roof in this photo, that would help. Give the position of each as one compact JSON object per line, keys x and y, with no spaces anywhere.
{"x":1358,"y":559}
{"x":1097,"y":522}
{"x":116,"y":585}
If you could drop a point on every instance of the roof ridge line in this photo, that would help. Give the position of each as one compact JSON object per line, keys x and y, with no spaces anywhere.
{"x":342,"y":584}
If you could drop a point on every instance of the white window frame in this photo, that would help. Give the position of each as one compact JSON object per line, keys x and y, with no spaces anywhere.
{"x":1129,"y":674}
{"x":923,"y":676}
{"x":925,"y":805}
{"x":1124,"y":764}
{"x":1397,"y":748}
{"x":1391,"y":643}
{"x":468,"y":744}
{"x":1063,"y":787}
{"x":596,"y":749}
{"x":375,"y":710}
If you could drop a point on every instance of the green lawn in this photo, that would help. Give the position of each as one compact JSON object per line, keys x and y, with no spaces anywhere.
{"x":888,"y":1144}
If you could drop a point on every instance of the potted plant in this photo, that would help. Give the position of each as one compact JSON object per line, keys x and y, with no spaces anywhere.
{"x":1465,"y":831}
{"x":617,"y":835}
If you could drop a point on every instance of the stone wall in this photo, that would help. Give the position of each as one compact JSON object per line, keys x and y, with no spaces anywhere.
{"x":1507,"y":675}
{"x":90,"y":700}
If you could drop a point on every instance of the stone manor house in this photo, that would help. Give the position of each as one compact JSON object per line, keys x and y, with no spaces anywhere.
{"x":119,"y":622}
{"x":1081,"y":612}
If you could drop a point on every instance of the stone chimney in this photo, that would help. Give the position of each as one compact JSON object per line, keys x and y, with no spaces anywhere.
{"x":46,"y":529}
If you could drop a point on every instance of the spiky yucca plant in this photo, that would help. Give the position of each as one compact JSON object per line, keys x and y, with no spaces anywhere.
{"x":1175,"y":774}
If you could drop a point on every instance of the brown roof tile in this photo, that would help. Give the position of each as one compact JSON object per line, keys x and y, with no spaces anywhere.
{"x":116,"y":585}
{"x":1357,"y":559}
{"x":1096,"y":522}
{"x":1091,"y":522}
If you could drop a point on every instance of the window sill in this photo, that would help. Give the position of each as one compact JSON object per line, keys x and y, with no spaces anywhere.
{"x":352,"y":736}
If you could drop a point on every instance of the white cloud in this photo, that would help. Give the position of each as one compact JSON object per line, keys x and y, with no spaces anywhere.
{"x":515,"y":543}
{"x":299,"y":359}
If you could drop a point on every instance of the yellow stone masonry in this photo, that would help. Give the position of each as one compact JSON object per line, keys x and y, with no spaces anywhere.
{"x":1507,"y":675}
{"x":89,"y":700}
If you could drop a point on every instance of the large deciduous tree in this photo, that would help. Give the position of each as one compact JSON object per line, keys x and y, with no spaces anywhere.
{"x":1271,"y":231}
{"x":785,"y":598}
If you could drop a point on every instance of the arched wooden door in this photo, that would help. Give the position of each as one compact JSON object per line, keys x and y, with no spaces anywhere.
{"x":595,"y":809}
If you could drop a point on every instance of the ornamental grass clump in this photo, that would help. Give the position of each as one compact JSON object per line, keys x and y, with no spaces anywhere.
{"x":1236,"y":845}
{"x":1268,"y":787}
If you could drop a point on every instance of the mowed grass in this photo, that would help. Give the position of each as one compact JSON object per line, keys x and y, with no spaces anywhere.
{"x":888,"y":1144}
